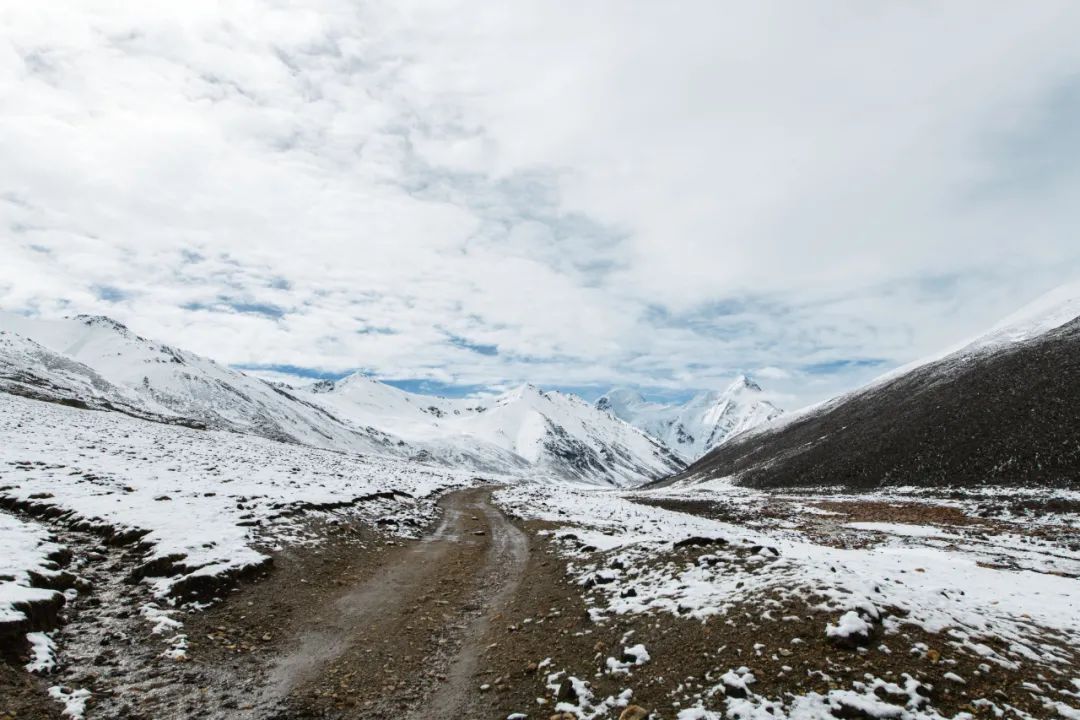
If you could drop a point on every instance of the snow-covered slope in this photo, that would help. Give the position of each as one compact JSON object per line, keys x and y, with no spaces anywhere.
{"x":97,"y":363}
{"x":547,"y":432}
{"x":697,"y":426}
{"x":1001,"y":408}
{"x":199,"y":502}
{"x":1046,"y":313}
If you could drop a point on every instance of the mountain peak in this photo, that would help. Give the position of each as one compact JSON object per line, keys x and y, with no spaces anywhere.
{"x":694,"y":427}
{"x":104,"y":322}
{"x":743,"y":382}
{"x":619,"y":397}
{"x":323,"y":386}
{"x":523,"y":391}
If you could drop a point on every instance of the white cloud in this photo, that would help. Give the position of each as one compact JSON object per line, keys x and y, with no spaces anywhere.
{"x":771,"y":372}
{"x":616,"y":192}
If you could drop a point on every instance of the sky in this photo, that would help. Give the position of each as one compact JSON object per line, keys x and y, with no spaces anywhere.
{"x":461,"y":196}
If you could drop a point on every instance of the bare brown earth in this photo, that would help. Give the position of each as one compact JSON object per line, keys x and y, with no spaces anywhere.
{"x":468,"y":622}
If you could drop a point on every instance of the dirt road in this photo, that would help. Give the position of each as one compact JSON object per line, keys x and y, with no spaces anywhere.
{"x":404,"y":641}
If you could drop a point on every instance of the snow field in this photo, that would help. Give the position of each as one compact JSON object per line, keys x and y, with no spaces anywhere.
{"x":24,"y":548}
{"x":204,"y":501}
{"x":626,"y":557}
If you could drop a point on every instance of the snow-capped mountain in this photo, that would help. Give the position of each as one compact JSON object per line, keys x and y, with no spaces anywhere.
{"x":524,"y":427}
{"x":97,"y":363}
{"x":695,"y":427}
{"x":1001,"y":408}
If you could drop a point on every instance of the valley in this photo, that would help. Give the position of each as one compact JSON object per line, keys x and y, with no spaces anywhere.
{"x":348,"y":550}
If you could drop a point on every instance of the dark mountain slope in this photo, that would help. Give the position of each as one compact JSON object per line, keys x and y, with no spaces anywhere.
{"x":1007,"y":416}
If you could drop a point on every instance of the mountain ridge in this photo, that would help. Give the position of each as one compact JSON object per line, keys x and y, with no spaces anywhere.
{"x":98,"y":363}
{"x":997,"y":409}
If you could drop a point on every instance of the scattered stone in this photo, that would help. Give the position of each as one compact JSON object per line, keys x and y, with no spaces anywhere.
{"x":851,"y":631}
{"x":567,"y":693}
{"x":696,"y":541}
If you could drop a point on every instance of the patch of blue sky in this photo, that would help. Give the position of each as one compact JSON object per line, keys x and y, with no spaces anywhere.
{"x":257,"y":308}
{"x":299,"y":371}
{"x":435,"y":387}
{"x":832,"y":367}
{"x":109,"y":293}
{"x":243,"y":307}
{"x":479,"y":348}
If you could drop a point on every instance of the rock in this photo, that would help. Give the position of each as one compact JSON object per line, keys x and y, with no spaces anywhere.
{"x":567,"y":693}
{"x":634,"y":712}
{"x":847,"y":710}
{"x":851,"y":631}
{"x":734,"y":691}
{"x":696,"y":541}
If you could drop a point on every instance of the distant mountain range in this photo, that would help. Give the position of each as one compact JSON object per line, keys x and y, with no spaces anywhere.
{"x":97,"y":363}
{"x":704,"y":422}
{"x":523,"y":429}
{"x":1001,"y":409}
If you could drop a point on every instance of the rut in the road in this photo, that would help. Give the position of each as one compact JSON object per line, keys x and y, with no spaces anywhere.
{"x":506,"y":560}
{"x":405,"y":640}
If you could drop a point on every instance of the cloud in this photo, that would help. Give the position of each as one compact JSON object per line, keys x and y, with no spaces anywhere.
{"x":771,"y":372}
{"x":471,"y":194}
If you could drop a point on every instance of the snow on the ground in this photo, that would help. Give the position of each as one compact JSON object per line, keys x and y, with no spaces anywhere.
{"x":614,"y":544}
{"x":916,"y":574}
{"x":861,"y":701}
{"x":204,"y":498}
{"x":850,"y":624}
{"x":74,"y":701}
{"x":42,"y":653}
{"x":899,"y":529}
{"x":24,"y":548}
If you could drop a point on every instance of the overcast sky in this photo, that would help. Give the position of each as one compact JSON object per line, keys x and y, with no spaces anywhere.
{"x":577,"y":194}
